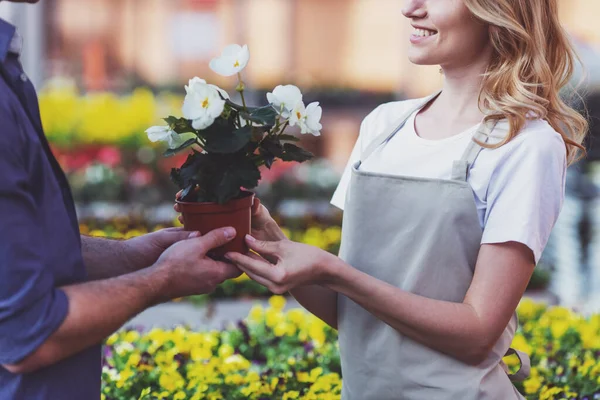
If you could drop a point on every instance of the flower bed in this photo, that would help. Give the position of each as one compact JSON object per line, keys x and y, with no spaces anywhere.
{"x":293,"y":355}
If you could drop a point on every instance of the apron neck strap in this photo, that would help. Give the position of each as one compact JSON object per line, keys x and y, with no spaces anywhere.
{"x":460,"y":168}
{"x":395,"y":127}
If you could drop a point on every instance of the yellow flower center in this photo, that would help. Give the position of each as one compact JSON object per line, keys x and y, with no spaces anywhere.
{"x":298,"y":115}
{"x":237,"y":63}
{"x":205,"y":103}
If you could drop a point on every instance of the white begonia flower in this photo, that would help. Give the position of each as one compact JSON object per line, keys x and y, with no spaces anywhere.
{"x":195,"y":80}
{"x":284,"y":99}
{"x":164,"y":134}
{"x":202,"y":104}
{"x":232,"y":61}
{"x":307,"y":118}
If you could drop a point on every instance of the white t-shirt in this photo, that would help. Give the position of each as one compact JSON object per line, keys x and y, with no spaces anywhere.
{"x":518,"y":188}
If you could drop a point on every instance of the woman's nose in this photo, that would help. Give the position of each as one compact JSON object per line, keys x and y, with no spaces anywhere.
{"x":414,"y":9}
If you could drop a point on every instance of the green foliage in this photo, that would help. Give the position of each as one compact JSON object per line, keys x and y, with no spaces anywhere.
{"x":231,"y":152}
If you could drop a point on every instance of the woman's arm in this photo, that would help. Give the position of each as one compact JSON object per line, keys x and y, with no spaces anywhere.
{"x":465,"y":331}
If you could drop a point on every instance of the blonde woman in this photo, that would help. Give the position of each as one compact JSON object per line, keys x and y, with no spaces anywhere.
{"x":448,"y":203}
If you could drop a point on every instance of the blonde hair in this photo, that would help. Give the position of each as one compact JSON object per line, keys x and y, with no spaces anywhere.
{"x":532,"y":61}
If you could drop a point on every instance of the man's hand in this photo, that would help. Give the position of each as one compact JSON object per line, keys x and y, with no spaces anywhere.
{"x":188,"y":270}
{"x":143,"y":251}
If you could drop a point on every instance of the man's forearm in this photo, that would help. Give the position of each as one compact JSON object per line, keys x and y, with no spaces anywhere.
{"x":96,"y":309}
{"x":104,"y":258}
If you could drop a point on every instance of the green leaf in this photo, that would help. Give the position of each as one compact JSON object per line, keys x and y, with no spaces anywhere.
{"x":187,"y":192}
{"x":273,"y":146}
{"x":290,"y":138}
{"x":235,"y":176}
{"x":263,"y":115}
{"x":228,"y":142}
{"x":172,"y":152}
{"x":267,"y":157}
{"x":295,"y":153}
{"x":238,"y":107}
{"x":179,"y":125}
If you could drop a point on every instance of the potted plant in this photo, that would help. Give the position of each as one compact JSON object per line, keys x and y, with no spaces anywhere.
{"x":228,"y":145}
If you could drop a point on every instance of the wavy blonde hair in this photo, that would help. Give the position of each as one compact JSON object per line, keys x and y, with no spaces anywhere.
{"x":533,"y":60}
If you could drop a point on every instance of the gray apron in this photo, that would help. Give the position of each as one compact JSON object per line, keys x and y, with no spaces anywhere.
{"x":422,"y":236}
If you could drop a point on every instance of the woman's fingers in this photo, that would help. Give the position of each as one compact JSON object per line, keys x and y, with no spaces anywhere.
{"x":262,"y":247}
{"x":255,"y":206}
{"x":258,"y":279}
{"x":261,"y":268}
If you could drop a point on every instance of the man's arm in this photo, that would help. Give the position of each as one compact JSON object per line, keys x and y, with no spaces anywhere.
{"x":106,"y":258}
{"x":96,"y":309}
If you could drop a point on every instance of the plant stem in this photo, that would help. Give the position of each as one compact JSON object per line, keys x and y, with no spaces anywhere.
{"x":241,"y":88}
{"x":284,"y":127}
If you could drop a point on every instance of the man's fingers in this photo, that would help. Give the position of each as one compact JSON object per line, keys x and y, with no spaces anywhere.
{"x":247,"y":264}
{"x":229,"y":271}
{"x":216,"y":238}
{"x":261,"y":247}
{"x":178,"y":195}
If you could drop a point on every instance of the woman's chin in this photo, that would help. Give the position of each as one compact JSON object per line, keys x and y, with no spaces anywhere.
{"x":423,"y":59}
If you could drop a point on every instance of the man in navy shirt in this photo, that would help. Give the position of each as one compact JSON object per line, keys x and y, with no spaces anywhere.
{"x":61,"y":293}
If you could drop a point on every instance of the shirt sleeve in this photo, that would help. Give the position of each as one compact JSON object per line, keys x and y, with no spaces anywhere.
{"x":339,"y":196}
{"x":526,"y":191}
{"x":31,"y":307}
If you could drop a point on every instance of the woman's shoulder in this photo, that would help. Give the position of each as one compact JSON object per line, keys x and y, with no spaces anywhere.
{"x":536,"y":135}
{"x":537,"y":145}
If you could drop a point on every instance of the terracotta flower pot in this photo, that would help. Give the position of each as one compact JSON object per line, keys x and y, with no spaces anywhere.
{"x":205,"y":217}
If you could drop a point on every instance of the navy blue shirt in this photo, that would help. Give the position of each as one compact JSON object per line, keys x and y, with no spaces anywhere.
{"x":40,"y":246}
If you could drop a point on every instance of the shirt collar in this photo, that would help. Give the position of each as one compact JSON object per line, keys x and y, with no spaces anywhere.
{"x":9,"y":40}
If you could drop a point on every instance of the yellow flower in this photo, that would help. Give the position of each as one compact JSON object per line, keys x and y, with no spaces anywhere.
{"x":225,"y":351}
{"x":532,"y":385}
{"x":559,"y":328}
{"x":291,"y":395}
{"x":256,"y":314}
{"x":179,"y":396}
{"x":277,"y":302}
{"x":112,"y":339}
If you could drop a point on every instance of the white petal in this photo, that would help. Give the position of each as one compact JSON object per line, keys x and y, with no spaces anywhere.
{"x":203,"y":122}
{"x":288,"y":95}
{"x":231,"y":51}
{"x":298,"y":114}
{"x":216,"y":107}
{"x":192,"y":106}
{"x":244,"y":57}
{"x":158,"y":133}
{"x":224,"y":94}
{"x":223,"y":67}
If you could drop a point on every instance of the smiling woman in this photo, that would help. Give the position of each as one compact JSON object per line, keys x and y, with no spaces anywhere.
{"x":448,"y":203}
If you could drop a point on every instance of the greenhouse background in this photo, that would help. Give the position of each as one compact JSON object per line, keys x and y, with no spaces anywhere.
{"x":106,"y":70}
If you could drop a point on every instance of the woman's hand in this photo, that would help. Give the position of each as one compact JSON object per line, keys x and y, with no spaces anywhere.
{"x":294,"y":264}
{"x":264,"y":226}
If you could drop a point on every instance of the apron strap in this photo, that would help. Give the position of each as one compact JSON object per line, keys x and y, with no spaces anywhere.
{"x":391,"y":131}
{"x":525,"y":368}
{"x":460,"y":168}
